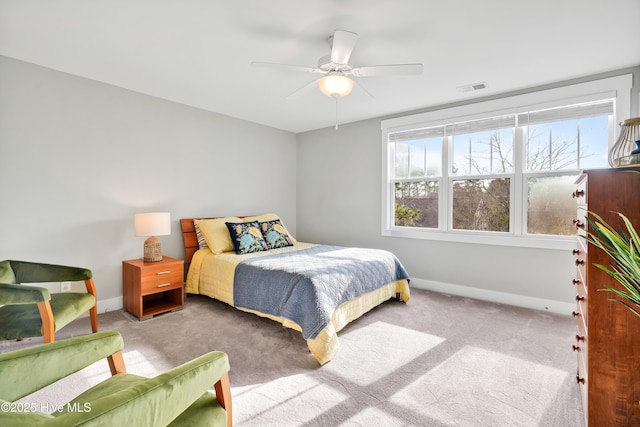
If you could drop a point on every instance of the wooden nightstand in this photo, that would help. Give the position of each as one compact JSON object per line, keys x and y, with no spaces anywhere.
{"x":150,"y":288}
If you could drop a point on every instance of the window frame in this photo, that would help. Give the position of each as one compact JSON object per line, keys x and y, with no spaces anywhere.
{"x":618,"y":87}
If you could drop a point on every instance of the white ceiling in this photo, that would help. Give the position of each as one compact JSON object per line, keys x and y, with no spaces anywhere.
{"x":197,"y":52}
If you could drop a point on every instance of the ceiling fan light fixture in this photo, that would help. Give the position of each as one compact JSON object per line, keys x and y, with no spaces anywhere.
{"x":335,"y":85}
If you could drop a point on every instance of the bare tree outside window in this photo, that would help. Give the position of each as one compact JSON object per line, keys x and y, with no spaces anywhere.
{"x":511,"y":172}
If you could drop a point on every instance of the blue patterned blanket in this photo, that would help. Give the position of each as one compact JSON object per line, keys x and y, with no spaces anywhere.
{"x":307,"y":286}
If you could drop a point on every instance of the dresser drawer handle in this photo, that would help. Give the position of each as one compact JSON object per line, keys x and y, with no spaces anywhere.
{"x":576,"y":252}
{"x":576,"y":348}
{"x":578,"y":193}
{"x":579,"y":337}
{"x":578,"y":223}
{"x":163,"y":285}
{"x":575,"y":314}
{"x":575,"y":281}
{"x":579,"y":379}
{"x":163,"y":272}
{"x":579,"y":261}
{"x":580,"y":298}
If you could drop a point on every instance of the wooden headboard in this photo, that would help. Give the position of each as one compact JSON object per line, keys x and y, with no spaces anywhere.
{"x":190,"y":240}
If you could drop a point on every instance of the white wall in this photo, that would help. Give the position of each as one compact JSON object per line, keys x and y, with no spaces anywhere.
{"x":78,"y":158}
{"x":338,"y":201}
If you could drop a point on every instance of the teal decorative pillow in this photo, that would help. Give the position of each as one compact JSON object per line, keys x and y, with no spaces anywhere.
{"x":275,"y":234}
{"x":6,"y":273}
{"x":246,"y":237}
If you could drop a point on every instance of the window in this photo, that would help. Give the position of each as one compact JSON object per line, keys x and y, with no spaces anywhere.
{"x":487,"y":175}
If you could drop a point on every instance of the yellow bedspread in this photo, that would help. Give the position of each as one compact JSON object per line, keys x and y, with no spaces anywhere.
{"x":212,"y":275}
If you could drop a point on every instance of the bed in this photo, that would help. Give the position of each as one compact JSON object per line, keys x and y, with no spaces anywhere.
{"x":255,"y":265}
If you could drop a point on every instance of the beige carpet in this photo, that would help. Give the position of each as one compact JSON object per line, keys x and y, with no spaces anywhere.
{"x":437,"y":361}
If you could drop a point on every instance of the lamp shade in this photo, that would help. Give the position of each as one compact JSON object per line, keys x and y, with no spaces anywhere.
{"x":152,"y":224}
{"x":335,"y":85}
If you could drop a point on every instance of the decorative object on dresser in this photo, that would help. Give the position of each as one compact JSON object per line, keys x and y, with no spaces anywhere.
{"x":608,"y":336}
{"x":151,"y":225}
{"x":152,"y":288}
{"x":621,"y":154}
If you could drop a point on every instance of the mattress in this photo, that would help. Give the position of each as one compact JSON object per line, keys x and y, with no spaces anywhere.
{"x":314,"y":289}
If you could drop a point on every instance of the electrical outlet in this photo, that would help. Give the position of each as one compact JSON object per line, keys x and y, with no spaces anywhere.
{"x":65,"y":286}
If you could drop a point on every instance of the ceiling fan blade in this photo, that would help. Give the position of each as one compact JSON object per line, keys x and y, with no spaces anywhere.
{"x":342,"y":45}
{"x":303,"y":90}
{"x":363,"y":89}
{"x":286,"y":67}
{"x":388,"y":70}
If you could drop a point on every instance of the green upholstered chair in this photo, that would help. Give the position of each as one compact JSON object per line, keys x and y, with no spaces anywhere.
{"x":178,"y":397}
{"x":31,"y":311}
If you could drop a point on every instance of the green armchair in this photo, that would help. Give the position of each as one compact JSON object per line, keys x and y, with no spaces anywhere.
{"x":178,"y":397}
{"x":31,"y":311}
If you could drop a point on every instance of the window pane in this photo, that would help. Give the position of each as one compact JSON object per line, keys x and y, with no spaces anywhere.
{"x":416,"y":204}
{"x":401,"y":160}
{"x":483,"y":152}
{"x":481,"y":204}
{"x":550,"y":205}
{"x":568,"y":144}
{"x":594,"y":142}
{"x":418,"y":158}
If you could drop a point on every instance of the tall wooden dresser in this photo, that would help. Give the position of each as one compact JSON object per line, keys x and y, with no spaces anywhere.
{"x":607,"y":342}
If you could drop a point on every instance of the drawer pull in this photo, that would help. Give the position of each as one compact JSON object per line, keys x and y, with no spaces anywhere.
{"x":578,"y":193}
{"x":576,"y":252}
{"x":578,"y":223}
{"x":575,"y":281}
{"x":575,"y":314}
{"x":579,"y":337}
{"x":580,"y":298}
{"x":163,"y":272}
{"x":579,"y":261}
{"x":576,"y":347}
{"x":163,"y":285}
{"x":579,"y":379}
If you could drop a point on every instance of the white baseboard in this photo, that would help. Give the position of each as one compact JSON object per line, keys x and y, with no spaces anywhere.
{"x":553,"y":306}
{"x":110,"y":304}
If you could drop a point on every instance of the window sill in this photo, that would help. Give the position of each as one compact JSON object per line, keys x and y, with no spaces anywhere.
{"x":540,"y":242}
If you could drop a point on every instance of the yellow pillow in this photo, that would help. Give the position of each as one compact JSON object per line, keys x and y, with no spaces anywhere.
{"x":268,"y":217}
{"x":216,"y":233}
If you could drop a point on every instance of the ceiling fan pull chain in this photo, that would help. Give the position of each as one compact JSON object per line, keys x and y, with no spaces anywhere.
{"x":336,"y":98}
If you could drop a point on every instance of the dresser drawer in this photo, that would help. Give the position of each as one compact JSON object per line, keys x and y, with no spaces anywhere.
{"x":580,"y":222}
{"x":580,"y":193}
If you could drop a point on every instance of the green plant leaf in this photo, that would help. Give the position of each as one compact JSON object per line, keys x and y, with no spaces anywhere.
{"x":622,"y":247}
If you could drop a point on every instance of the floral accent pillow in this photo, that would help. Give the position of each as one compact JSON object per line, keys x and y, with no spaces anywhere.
{"x":275,"y":234}
{"x":247,"y":237}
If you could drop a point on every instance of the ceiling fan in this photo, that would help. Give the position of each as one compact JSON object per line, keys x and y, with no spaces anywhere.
{"x":337,"y":72}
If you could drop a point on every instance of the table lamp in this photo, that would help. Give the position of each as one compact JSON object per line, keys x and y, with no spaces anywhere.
{"x":152,"y":224}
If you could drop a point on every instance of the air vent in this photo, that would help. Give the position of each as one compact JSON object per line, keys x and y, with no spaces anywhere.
{"x":472,"y":87}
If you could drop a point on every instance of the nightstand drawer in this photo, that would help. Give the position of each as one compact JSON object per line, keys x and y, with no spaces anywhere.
{"x":159,"y":284}
{"x":161,"y":279}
